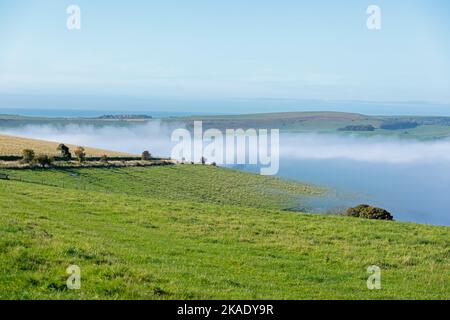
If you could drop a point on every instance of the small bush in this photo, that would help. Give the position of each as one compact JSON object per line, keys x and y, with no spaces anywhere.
{"x":43,"y":160}
{"x":28,"y":156}
{"x":203,"y":160}
{"x":146,"y":156}
{"x":368,"y":212}
{"x":80,"y":154}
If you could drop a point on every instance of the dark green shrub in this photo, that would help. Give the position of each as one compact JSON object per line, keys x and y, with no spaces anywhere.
{"x":146,"y":156}
{"x":398,"y":125}
{"x":360,"y":127}
{"x":369,"y":212}
{"x":65,"y":151}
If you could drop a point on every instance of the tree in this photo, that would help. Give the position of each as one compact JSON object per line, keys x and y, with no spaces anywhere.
{"x":65,"y":151}
{"x":80,"y":154}
{"x":43,"y":160}
{"x":28,"y":155}
{"x":146,"y":155}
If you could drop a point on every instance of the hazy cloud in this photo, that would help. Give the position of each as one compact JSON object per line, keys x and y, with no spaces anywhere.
{"x":365,"y":149}
{"x":155,"y":136}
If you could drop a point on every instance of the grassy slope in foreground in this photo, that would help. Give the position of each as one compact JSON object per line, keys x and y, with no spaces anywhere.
{"x":143,"y":244}
{"x":13,"y":146}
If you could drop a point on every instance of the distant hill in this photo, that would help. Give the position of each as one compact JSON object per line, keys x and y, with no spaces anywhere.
{"x":415,"y":127}
{"x":124,"y":117}
{"x":14,"y":121}
{"x":325,"y":115}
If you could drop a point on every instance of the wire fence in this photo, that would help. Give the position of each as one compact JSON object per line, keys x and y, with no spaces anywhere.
{"x":45,"y":182}
{"x":73,"y":180}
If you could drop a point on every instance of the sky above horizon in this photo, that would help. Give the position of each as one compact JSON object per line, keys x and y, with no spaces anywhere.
{"x":315,"y":50}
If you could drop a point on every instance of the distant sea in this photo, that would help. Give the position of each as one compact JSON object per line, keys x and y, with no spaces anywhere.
{"x":186,"y":107}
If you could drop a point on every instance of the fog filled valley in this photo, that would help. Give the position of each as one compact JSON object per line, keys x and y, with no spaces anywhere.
{"x":408,"y":177}
{"x":224,"y":158}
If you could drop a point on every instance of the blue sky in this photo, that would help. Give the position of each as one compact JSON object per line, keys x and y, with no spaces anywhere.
{"x":306,"y":50}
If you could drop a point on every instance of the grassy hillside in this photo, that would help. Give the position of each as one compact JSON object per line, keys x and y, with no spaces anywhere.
{"x":168,"y":233}
{"x":13,"y":146}
{"x":182,"y":182}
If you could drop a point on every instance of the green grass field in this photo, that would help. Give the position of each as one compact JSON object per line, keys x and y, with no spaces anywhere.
{"x":199,"y":232}
{"x":183,"y":182}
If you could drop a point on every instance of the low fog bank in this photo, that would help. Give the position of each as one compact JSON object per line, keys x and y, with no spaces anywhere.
{"x":155,"y":137}
{"x":363,"y":149}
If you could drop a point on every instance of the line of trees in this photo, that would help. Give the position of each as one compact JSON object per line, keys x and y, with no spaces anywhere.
{"x":29,"y":156}
{"x":44,"y":160}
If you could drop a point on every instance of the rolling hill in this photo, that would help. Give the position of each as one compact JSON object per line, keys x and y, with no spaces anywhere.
{"x":408,"y":127}
{"x":13,"y":146}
